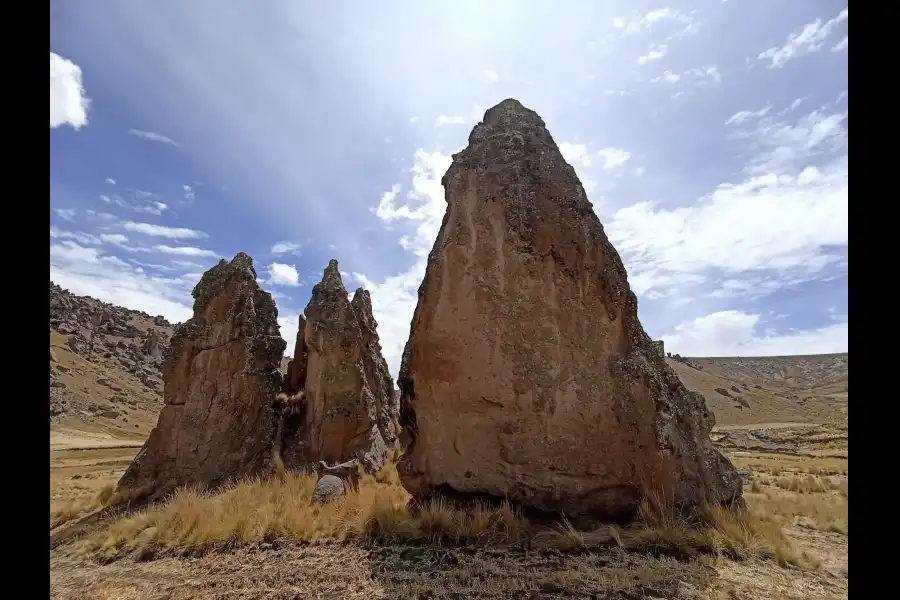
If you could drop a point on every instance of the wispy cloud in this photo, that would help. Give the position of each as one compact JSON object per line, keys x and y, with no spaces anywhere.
{"x":65,"y":213}
{"x":285,"y":248}
{"x":654,"y":53}
{"x":698,"y":75}
{"x":185,"y":251}
{"x":676,"y":23}
{"x":490,"y":75}
{"x":809,"y":38}
{"x":175,"y":233}
{"x":153,"y":137}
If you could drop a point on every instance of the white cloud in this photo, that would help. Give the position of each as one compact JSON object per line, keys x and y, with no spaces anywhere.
{"x":175,"y":233}
{"x":289,"y":325}
{"x":154,"y":208}
{"x":579,"y":155}
{"x":99,"y":216}
{"x":68,"y":103}
{"x":698,"y":75}
{"x":87,"y":271}
{"x":110,"y":181}
{"x":736,"y":333}
{"x":655,"y":52}
{"x":85,"y":239}
{"x":153,"y":137}
{"x":808,"y":39}
{"x":66,"y":213}
{"x":114,"y":238}
{"x":583,"y":160}
{"x":667,"y":77}
{"x":185,"y":251}
{"x":613,"y":157}
{"x":773,"y":222}
{"x":790,"y":145}
{"x":842,"y":45}
{"x":282,"y":274}
{"x":285,"y":248}
{"x":785,"y":218}
{"x":395,"y":298}
{"x":742,"y":116}
{"x":471,"y":119}
{"x":490,"y":76}
{"x":189,"y":192}
{"x":638,"y":22}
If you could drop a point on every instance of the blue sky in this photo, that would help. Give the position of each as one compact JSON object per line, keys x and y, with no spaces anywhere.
{"x":711,"y":138}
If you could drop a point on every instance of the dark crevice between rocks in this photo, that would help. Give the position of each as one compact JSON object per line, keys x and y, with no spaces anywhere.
{"x":290,"y":442}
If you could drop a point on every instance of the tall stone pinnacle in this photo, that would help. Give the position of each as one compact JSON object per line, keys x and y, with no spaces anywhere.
{"x":527,"y":374}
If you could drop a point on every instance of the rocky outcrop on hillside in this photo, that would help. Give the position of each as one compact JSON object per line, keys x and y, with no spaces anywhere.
{"x":109,"y":334}
{"x":348,"y":391}
{"x":527,"y":374}
{"x":221,"y":377}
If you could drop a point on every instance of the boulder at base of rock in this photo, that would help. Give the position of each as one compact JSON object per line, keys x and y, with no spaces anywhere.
{"x":328,"y":489}
{"x":527,"y":375}
{"x":348,"y":391}
{"x":221,"y":377}
{"x":334,"y":482}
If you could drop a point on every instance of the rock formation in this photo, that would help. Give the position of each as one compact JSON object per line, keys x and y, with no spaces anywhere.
{"x":348,"y":390}
{"x":221,"y":377}
{"x":527,"y":374}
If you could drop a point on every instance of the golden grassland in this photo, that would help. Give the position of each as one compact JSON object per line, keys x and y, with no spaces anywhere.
{"x":255,"y":510}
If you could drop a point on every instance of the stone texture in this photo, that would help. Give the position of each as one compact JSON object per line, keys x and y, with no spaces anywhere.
{"x":347,"y":393}
{"x":527,"y":374}
{"x":328,"y":489}
{"x":376,"y":369}
{"x":221,"y":377}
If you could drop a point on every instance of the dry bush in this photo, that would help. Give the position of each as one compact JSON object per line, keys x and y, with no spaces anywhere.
{"x":807,"y":500}
{"x":259,"y":509}
{"x":265,"y":509}
{"x":662,"y":529}
{"x":62,"y":511}
{"x":823,"y":511}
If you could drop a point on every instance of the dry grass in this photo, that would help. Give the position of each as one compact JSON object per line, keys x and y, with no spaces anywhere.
{"x":279,"y":507}
{"x":63,"y":510}
{"x":258,"y":509}
{"x":807,"y":500}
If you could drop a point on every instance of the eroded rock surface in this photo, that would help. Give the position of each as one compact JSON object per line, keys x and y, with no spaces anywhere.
{"x":221,"y":377}
{"x":527,"y":374}
{"x":348,"y":392}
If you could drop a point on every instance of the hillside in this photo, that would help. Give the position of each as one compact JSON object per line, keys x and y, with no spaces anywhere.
{"x":105,"y":379}
{"x":779,"y":389}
